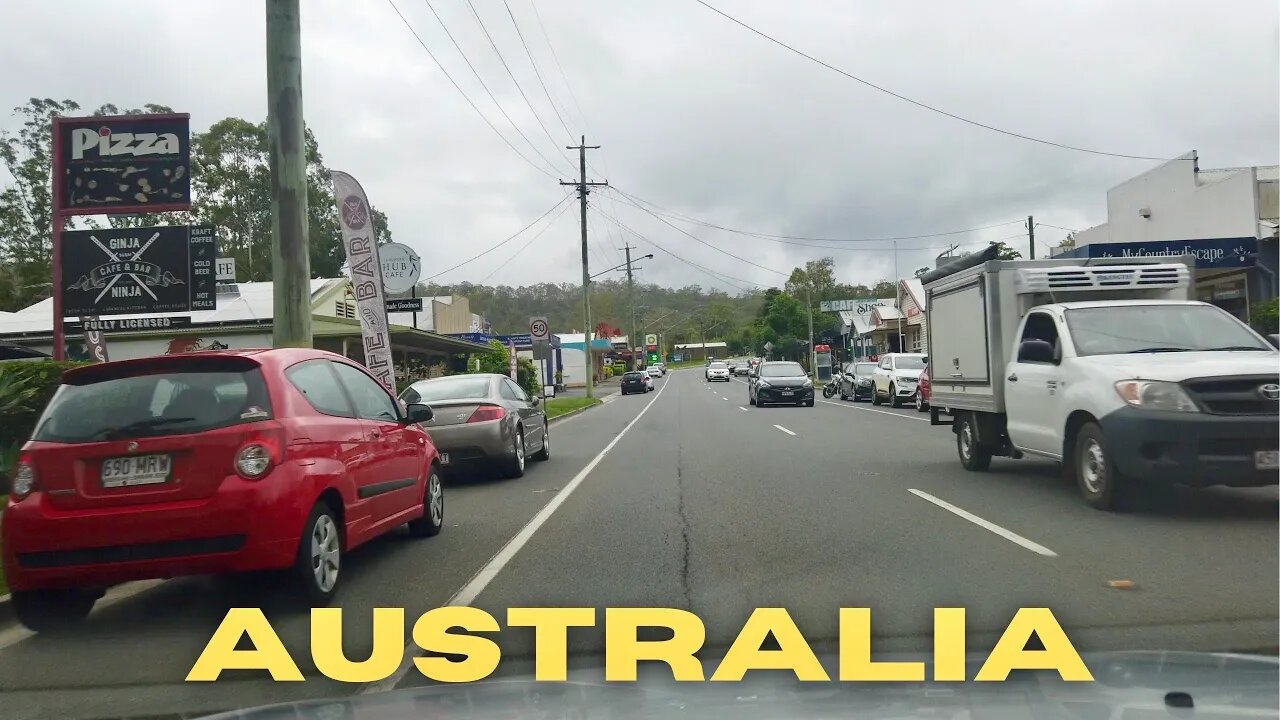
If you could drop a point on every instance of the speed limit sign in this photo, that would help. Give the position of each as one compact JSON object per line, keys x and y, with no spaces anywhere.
{"x":539,"y":330}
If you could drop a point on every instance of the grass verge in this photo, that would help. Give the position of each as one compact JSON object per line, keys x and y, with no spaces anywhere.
{"x":562,"y":405}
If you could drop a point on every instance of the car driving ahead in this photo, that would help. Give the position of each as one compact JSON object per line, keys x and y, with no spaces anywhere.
{"x":780,"y":383}
{"x":483,"y":421}
{"x":634,"y":381}
{"x":717,"y":370}
{"x":211,"y":462}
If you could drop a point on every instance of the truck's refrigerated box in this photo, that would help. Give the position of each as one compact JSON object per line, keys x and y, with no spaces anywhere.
{"x":975,"y":312}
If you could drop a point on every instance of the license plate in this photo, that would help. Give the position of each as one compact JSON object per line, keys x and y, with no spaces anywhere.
{"x":787,"y":392}
{"x":1266,"y":460}
{"x":135,"y":470}
{"x":444,"y":458}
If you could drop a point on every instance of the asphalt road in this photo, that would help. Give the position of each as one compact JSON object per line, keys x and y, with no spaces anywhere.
{"x":700,"y":501}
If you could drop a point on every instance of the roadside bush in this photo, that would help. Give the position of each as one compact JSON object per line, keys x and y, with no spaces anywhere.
{"x":498,"y":360}
{"x":25,"y":388}
{"x":1265,"y":317}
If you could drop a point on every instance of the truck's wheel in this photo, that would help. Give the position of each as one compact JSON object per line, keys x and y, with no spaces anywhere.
{"x":974,"y":456}
{"x":1098,"y":479}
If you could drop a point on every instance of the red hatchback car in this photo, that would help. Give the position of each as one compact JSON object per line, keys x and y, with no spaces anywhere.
{"x":923,"y":389}
{"x":211,"y":462}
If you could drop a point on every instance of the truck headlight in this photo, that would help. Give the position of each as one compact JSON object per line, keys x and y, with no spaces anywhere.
{"x":1156,"y":395}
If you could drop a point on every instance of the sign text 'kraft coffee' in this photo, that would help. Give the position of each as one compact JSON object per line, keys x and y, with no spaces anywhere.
{"x":127,"y":271}
{"x":133,"y":163}
{"x":366,"y":276}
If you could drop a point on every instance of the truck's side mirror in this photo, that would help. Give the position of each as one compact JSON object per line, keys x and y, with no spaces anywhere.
{"x":1036,"y":351}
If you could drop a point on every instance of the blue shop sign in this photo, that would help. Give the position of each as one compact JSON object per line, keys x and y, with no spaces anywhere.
{"x":1211,"y":253}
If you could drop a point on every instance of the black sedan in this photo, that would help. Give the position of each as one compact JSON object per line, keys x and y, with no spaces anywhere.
{"x":635,"y":381}
{"x":780,"y":383}
{"x":856,"y":382}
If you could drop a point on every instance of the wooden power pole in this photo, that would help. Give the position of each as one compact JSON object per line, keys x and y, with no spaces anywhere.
{"x":290,"y":261}
{"x":584,"y":188}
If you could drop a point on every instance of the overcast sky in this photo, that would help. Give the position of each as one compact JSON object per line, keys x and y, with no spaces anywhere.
{"x":702,"y":117}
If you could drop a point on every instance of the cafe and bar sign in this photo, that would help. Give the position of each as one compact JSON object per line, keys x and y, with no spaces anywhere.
{"x":122,"y":164}
{"x":134,"y":271}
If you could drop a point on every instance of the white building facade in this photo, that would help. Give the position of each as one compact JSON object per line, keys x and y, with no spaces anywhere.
{"x":1226,"y":218}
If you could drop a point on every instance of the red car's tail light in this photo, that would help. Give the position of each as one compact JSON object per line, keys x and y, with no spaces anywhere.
{"x":24,"y":478}
{"x":487,"y":412}
{"x":260,"y":451}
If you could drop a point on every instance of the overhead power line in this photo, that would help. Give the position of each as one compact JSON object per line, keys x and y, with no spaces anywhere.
{"x":917,"y":103}
{"x":556,"y":58}
{"x":512,"y":75}
{"x":517,"y":233}
{"x":483,"y":84}
{"x":1056,"y":227}
{"x":704,"y":242}
{"x":768,"y":236}
{"x":525,"y":246}
{"x":729,"y":280}
{"x":537,"y":72}
{"x":464,"y":95}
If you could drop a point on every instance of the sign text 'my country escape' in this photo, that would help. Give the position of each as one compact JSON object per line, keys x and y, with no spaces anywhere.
{"x":460,"y":646}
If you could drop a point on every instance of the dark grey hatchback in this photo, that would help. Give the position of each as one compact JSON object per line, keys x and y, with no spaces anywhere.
{"x":780,"y":383}
{"x":634,"y":381}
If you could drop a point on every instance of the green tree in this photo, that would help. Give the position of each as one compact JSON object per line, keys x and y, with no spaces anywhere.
{"x":26,"y":201}
{"x":1005,"y":252}
{"x":1265,"y":317}
{"x":231,"y":188}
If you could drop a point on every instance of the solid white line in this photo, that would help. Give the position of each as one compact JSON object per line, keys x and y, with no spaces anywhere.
{"x":486,"y":574}
{"x":867,"y":409}
{"x":1009,"y":535}
{"x":784,"y":430}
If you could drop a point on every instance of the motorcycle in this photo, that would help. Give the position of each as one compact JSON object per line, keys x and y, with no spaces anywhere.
{"x":832,"y":387}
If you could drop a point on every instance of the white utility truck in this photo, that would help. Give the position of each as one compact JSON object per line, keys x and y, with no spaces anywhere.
{"x":1110,"y":368}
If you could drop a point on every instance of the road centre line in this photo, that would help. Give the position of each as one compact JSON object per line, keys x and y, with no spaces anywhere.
{"x":468,"y":593}
{"x":1009,"y":535}
{"x":784,"y":430}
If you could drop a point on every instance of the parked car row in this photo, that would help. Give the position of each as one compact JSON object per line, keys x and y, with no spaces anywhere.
{"x":897,"y":378}
{"x":236,"y":461}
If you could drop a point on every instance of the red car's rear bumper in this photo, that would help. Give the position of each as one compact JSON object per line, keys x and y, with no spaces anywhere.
{"x":245,"y":525}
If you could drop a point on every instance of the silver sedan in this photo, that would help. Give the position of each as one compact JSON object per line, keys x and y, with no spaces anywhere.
{"x":482,"y":421}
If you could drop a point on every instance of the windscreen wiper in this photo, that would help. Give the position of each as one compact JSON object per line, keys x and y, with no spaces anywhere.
{"x":135,"y":427}
{"x":1239,"y":347}
{"x":1159,"y":350}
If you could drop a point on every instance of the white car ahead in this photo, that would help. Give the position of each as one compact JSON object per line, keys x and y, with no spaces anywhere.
{"x":718,"y":371}
{"x":896,"y":377}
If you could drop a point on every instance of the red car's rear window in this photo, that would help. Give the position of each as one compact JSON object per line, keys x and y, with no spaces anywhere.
{"x":165,"y":397}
